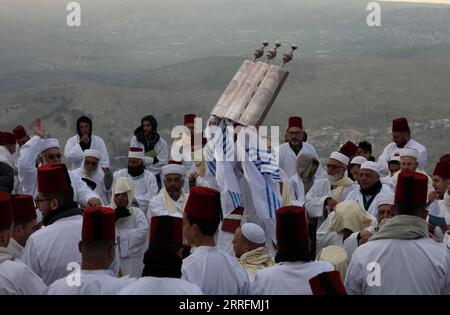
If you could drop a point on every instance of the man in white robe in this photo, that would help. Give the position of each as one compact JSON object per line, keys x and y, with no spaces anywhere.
{"x":84,"y":140}
{"x":163,"y":261}
{"x":132,"y":228}
{"x":40,"y":151}
{"x":291,"y":150}
{"x":145,"y":183}
{"x":401,"y":138}
{"x":441,"y":181}
{"x":370,"y":187}
{"x":97,"y":248}
{"x":16,"y":278}
{"x":99,"y":179}
{"x":213,"y":270}
{"x":294,"y":266}
{"x":401,"y":258}
{"x":355,"y":166}
{"x":303,"y":180}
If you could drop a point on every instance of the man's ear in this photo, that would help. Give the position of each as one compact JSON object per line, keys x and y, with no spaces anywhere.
{"x":54,"y":204}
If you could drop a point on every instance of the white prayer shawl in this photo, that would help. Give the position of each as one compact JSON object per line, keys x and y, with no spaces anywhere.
{"x":288,"y":278}
{"x":131,"y":235}
{"x":298,"y":190}
{"x":74,"y":154}
{"x":16,"y":278}
{"x":162,"y":153}
{"x":407,"y":267}
{"x":146,"y":187}
{"x":7,"y":158}
{"x":215,"y":272}
{"x":357,"y":196}
{"x":98,"y":178}
{"x":161,"y":286}
{"x":288,"y":159}
{"x":92,"y":282}
{"x":391,"y":149}
{"x":28,"y":174}
{"x":15,"y":248}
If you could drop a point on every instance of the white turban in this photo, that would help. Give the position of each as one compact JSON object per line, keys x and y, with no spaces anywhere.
{"x":373,"y":166}
{"x":409,"y":152}
{"x":254,"y":233}
{"x":358,"y":160}
{"x":92,"y":153}
{"x":136,"y":152}
{"x":394,"y":158}
{"x":385,"y":199}
{"x":49,"y":144}
{"x":173,"y":169}
{"x":340,"y":157}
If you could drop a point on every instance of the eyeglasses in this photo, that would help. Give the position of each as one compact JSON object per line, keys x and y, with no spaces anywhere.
{"x":333,"y":167}
{"x":51,"y":156}
{"x":37,"y":200}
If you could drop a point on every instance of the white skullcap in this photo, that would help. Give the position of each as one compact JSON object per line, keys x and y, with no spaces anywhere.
{"x":373,"y":166}
{"x":385,"y":199}
{"x":253,"y":232}
{"x":49,"y":144}
{"x":395,"y":158}
{"x":340,"y":157}
{"x":358,"y":160}
{"x":409,"y":152}
{"x":173,"y":169}
{"x":92,"y":153}
{"x":136,"y":153}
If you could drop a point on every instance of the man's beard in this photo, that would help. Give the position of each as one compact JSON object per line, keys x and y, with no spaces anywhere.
{"x":334,"y":178}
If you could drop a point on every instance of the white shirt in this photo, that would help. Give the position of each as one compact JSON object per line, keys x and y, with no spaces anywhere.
{"x":74,"y":154}
{"x":16,"y":278}
{"x":131,"y":235}
{"x":161,"y":286}
{"x":288,"y":278}
{"x":407,"y":267}
{"x":98,"y":178}
{"x":391,"y":149}
{"x":288,"y":159}
{"x":92,"y":282}
{"x":146,"y":187}
{"x":215,"y":272}
{"x":15,"y":247}
{"x":162,"y":152}
{"x":156,"y":206}
{"x":298,"y":190}
{"x":357,"y":196}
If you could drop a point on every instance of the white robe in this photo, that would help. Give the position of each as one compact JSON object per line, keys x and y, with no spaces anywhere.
{"x":131,"y":235}
{"x":298,"y":190}
{"x":74,"y":154}
{"x":15,"y":247}
{"x":156,"y":206}
{"x":288,"y":159}
{"x":97,"y":178}
{"x":16,"y":278}
{"x":145,"y":187}
{"x":92,"y":282}
{"x":161,"y":286}
{"x":351,"y":242}
{"x":7,"y":158}
{"x":288,"y":278}
{"x":357,"y":196}
{"x":391,"y":149}
{"x":406,"y":267}
{"x":162,"y":152}
{"x":215,"y":272}
{"x":28,"y":174}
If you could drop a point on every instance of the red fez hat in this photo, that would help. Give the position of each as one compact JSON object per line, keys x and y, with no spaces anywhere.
{"x":189,"y":119}
{"x":99,"y":224}
{"x":53,"y":178}
{"x":203,"y":203}
{"x":349,"y":149}
{"x":442,"y":169}
{"x":23,"y":208}
{"x":9,"y":138}
{"x":20,"y":132}
{"x":327,"y":283}
{"x":445,"y":158}
{"x":166,"y":230}
{"x":175,"y":162}
{"x":6,"y":212}
{"x":291,"y":225}
{"x":136,"y":149}
{"x":295,"y":121}
{"x":412,"y":189}
{"x":400,"y":125}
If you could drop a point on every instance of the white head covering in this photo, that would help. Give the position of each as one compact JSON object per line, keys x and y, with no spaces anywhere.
{"x":340,"y":157}
{"x":254,"y":233}
{"x":49,"y":144}
{"x":373,"y":166}
{"x":350,"y":215}
{"x":385,"y":199}
{"x":173,"y":169}
{"x":395,"y":158}
{"x":409,"y":152}
{"x":358,"y":160}
{"x":92,"y":153}
{"x":122,"y":185}
{"x":136,"y":152}
{"x":337,"y":256}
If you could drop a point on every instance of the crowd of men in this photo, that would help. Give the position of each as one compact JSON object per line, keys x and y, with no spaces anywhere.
{"x":69,"y":224}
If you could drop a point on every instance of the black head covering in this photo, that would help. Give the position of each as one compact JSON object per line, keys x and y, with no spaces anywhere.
{"x":87,"y":120}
